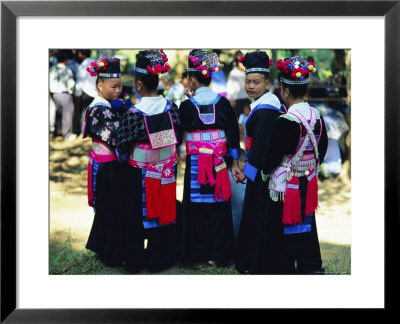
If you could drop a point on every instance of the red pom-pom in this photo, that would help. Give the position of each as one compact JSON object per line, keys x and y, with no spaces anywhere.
{"x":293,"y":74}
{"x":148,"y":67}
{"x":167,"y":67}
{"x":241,"y":59}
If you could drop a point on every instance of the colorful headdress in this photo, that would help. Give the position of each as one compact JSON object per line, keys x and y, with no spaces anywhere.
{"x":107,"y":67}
{"x":204,"y":63}
{"x":295,"y":70}
{"x":152,"y":62}
{"x":256,"y":62}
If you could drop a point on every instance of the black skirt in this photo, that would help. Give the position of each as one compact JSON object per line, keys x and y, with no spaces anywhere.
{"x":206,"y":229}
{"x":260,"y":246}
{"x":117,"y":235}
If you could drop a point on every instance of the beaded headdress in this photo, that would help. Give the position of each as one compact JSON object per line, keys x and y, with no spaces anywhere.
{"x":204,"y":63}
{"x":295,"y":70}
{"x":152,"y":62}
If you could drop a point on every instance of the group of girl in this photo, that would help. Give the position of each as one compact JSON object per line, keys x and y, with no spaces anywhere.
{"x":139,"y":223}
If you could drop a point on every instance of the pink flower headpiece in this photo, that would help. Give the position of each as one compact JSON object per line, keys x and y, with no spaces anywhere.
{"x":96,"y":66}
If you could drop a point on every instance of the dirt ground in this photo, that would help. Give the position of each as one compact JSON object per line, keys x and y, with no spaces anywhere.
{"x":71,"y":216}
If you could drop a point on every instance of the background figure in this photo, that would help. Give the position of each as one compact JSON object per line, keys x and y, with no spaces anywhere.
{"x":337,"y":130}
{"x":52,"y":57}
{"x":73,"y":63}
{"x":176,"y":92}
{"x":52,"y":113}
{"x":235,"y":85}
{"x":137,"y":96}
{"x":85,"y":89}
{"x":218,"y":82}
{"x":61,"y":88}
{"x":277,"y":90}
{"x":314,"y":77}
{"x":238,"y":190}
{"x":243,"y":118}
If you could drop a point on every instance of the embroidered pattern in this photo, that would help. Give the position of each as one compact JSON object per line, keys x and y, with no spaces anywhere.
{"x":94,"y":121}
{"x":116,"y":124}
{"x":298,"y":164}
{"x":107,"y":113}
{"x":163,"y":138}
{"x":93,"y":111}
{"x":105,"y":134}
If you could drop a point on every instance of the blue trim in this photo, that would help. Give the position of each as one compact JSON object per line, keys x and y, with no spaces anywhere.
{"x":262,"y":106}
{"x":195,"y":195}
{"x":303,"y":227}
{"x":234,"y":153}
{"x":95,"y":169}
{"x":250,"y":171}
{"x":167,"y":107}
{"x":214,"y":101}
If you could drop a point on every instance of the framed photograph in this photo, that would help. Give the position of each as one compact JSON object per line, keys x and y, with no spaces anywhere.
{"x":30,"y":28}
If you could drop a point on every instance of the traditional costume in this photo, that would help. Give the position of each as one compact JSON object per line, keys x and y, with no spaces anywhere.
{"x":211,"y":134}
{"x":257,"y":247}
{"x":148,"y":134}
{"x":297,"y":147}
{"x":109,"y":234}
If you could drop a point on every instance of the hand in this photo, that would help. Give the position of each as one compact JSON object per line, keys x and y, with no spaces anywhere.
{"x":122,"y":157}
{"x":127,"y":100}
{"x":242,"y":178}
{"x":188,"y":92}
{"x":117,"y":104}
{"x":236,"y":172}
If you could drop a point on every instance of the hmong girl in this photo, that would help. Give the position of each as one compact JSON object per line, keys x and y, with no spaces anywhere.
{"x":258,"y":245}
{"x":148,"y":135}
{"x":106,"y":175}
{"x":211,"y":135}
{"x":297,"y":147}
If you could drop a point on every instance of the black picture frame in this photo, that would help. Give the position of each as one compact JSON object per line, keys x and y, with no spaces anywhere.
{"x":10,"y":10}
